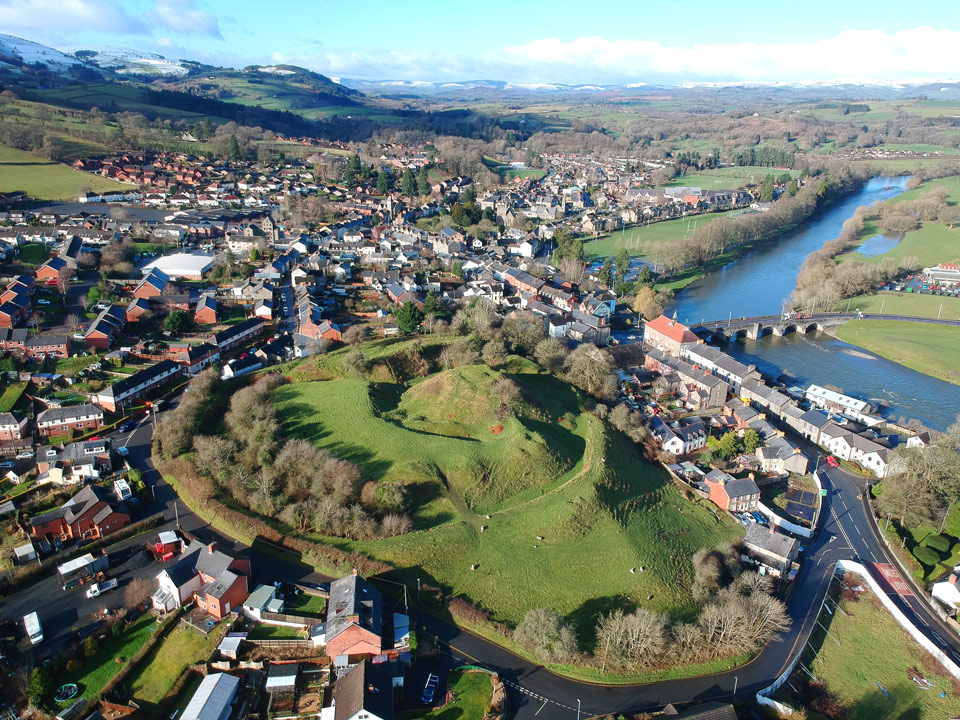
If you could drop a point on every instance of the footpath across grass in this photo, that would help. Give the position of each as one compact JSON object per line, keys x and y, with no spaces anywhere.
{"x":866,"y":651}
{"x":930,"y":349}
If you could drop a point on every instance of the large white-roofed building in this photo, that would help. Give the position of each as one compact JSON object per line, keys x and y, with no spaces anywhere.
{"x":181,"y":266}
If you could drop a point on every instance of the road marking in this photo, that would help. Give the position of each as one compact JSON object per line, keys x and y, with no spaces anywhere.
{"x":839,"y":525}
{"x":893,"y":578}
{"x":939,"y":639}
{"x":541,"y":707}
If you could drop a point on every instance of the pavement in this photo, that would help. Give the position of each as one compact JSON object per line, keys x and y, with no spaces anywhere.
{"x":846,"y":531}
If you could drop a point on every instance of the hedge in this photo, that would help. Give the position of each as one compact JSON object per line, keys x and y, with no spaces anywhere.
{"x":940,"y":543}
{"x":926,"y":556}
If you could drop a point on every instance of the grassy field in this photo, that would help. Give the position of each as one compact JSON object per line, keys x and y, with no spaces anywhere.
{"x":930,"y":244}
{"x":33,"y":254}
{"x":550,"y":522}
{"x":309,"y":605}
{"x":861,"y":630}
{"x":167,"y":661}
{"x":72,"y":365}
{"x":894,"y":303}
{"x":11,"y":395}
{"x":640,"y":240}
{"x":472,"y":691}
{"x":96,"y":671}
{"x":727,"y":178}
{"x":930,"y":349}
{"x":46,"y":179}
{"x":274,"y":632}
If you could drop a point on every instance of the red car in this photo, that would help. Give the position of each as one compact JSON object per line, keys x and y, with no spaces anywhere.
{"x":832,"y":461}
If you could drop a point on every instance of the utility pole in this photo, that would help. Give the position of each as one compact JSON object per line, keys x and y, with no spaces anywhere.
{"x":887,"y":524}
{"x":578,"y":708}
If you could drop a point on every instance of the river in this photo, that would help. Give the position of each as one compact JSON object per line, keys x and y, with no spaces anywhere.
{"x":757,"y":284}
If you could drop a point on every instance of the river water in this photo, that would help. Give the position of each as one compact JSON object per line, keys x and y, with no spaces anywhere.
{"x":757,"y":284}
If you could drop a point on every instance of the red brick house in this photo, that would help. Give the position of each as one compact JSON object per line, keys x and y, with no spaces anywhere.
{"x":732,"y":494}
{"x":215,"y":580}
{"x":152,"y":285}
{"x":89,"y":514}
{"x":354,"y":618}
{"x":206,"y":311}
{"x":50,"y":270}
{"x":668,"y":336}
{"x":61,"y":421}
{"x":57,"y":346}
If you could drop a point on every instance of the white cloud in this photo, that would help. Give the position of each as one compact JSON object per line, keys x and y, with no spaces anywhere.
{"x":184,"y":16}
{"x":44,"y":17}
{"x":852,"y":55}
{"x":164,"y":42}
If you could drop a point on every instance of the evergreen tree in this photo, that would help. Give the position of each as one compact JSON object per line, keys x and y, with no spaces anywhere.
{"x":605,"y":276}
{"x":766,"y":189}
{"x":235,"y":153}
{"x":423,"y":182}
{"x":409,"y":318}
{"x":622,"y":264}
{"x":431,"y":303}
{"x":408,"y":185}
{"x":383,"y":182}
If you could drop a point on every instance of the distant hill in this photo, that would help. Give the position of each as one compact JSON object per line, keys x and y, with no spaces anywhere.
{"x":127,"y":61}
{"x":16,"y":52}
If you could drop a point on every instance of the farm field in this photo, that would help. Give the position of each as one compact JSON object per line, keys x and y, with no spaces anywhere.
{"x":546,"y":531}
{"x":46,"y":179}
{"x":860,"y":629}
{"x":930,"y":349}
{"x":951,"y":184}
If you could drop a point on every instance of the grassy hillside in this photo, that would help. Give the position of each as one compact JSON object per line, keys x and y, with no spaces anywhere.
{"x":46,"y":179}
{"x":930,"y":349}
{"x":727,"y":178}
{"x":573,"y":505}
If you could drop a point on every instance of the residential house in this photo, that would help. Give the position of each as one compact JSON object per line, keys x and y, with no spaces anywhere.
{"x":363,"y":692}
{"x":237,"y":334}
{"x":732,"y":494}
{"x":90,"y":514}
{"x":73,"y":463}
{"x":47,"y":346}
{"x":152,"y":285}
{"x":51,"y":269}
{"x":678,"y":438}
{"x":64,"y":420}
{"x":13,"y":426}
{"x":668,"y":336}
{"x":206,"y":310}
{"x":216,"y":581}
{"x":354,"y":618}
{"x":137,"y":385}
{"x":771,"y":548}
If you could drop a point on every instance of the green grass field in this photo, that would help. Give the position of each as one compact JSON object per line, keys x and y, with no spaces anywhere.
{"x":309,"y":605}
{"x":274,"y":632}
{"x":97,"y":671}
{"x":45,"y":179}
{"x":603,"y":501}
{"x":930,"y":244}
{"x":894,"y":303}
{"x":11,"y":395}
{"x":472,"y":691}
{"x":873,"y":649}
{"x":727,"y":178}
{"x":639,"y":241}
{"x":71,"y":366}
{"x":33,"y":254}
{"x":930,"y":349}
{"x":167,"y":661}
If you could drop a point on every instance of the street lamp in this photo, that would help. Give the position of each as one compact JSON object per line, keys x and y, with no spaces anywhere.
{"x":578,"y":708}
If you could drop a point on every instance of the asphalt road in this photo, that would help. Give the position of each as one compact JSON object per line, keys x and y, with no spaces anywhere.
{"x":846,"y":531}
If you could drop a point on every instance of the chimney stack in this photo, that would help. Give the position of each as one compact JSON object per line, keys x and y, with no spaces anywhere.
{"x":953,"y":579}
{"x":211,"y":547}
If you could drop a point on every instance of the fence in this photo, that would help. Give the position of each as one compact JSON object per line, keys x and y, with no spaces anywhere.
{"x":273,"y":618}
{"x":784,"y":523}
{"x":281,"y":643}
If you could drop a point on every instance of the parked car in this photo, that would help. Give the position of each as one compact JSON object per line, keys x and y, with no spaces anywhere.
{"x":123,"y":451}
{"x":127,"y":426}
{"x":25,"y":455}
{"x":430,"y":689}
{"x":832,"y":461}
{"x":758,"y":516}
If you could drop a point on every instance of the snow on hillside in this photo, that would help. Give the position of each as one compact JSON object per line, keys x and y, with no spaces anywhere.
{"x":128,"y":61}
{"x":30,"y":52}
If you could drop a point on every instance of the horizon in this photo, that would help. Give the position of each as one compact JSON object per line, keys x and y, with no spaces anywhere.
{"x":529,"y":45}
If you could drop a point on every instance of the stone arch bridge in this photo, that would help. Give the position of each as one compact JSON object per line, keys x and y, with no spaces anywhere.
{"x":779,"y":325}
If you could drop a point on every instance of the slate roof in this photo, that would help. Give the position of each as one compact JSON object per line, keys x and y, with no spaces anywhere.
{"x":353,"y":601}
{"x":769,"y":540}
{"x":363,"y":687}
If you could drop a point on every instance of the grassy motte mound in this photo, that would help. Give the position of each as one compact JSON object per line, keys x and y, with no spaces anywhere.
{"x":449,"y":428}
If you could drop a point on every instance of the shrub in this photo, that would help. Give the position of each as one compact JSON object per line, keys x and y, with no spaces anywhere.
{"x":73,"y":665}
{"x":940,"y":543}
{"x":926,"y":556}
{"x":90,"y":647}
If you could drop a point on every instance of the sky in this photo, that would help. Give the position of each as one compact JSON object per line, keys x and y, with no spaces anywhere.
{"x":521,"y":41}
